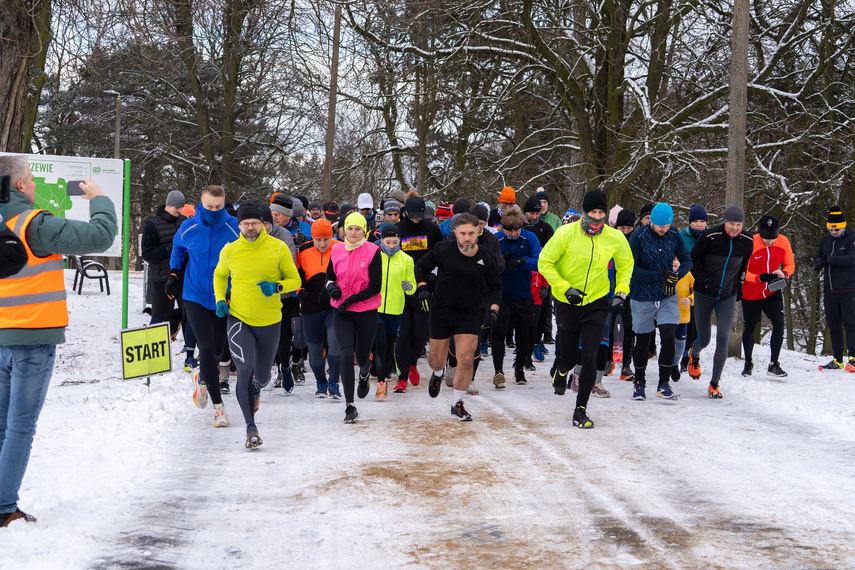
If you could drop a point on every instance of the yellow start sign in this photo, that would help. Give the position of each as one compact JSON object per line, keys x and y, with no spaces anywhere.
{"x":146,"y":351}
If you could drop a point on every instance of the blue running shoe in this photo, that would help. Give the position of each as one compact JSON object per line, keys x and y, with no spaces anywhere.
{"x":538,"y":353}
{"x":287,"y":379}
{"x":638,"y":391}
{"x":485,"y":349}
{"x":190,"y":363}
{"x":665,"y":391}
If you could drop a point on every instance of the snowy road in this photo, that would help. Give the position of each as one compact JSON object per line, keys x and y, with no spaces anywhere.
{"x":121,"y":477}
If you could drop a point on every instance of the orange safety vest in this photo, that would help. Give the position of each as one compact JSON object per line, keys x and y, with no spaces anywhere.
{"x":33,"y":298}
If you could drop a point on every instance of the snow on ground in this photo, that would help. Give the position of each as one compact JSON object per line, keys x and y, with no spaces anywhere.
{"x":123,"y":476}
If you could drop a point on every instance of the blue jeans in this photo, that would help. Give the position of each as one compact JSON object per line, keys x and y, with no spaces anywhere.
{"x":314,"y":326}
{"x":25,"y":373}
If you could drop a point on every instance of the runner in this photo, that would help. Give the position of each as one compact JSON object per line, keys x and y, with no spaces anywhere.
{"x":575,"y":263}
{"x":686,"y":301}
{"x":507,"y":197}
{"x":455,"y":310}
{"x":698,"y":220}
{"x":354,"y":285}
{"x":255,"y":269}
{"x":835,"y":258}
{"x":312,"y":261}
{"x":540,"y":330}
{"x":520,"y":249}
{"x":719,"y":260}
{"x":545,"y":215}
{"x":418,"y":237}
{"x":652,"y":295}
{"x":202,"y":237}
{"x":770,"y":265}
{"x":625,"y":223}
{"x":398,"y":281}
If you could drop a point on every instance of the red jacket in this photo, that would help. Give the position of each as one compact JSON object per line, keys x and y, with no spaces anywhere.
{"x":766,"y":260}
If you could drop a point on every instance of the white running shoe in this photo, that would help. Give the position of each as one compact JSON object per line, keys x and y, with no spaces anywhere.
{"x":200,"y":392}
{"x":221,"y":419}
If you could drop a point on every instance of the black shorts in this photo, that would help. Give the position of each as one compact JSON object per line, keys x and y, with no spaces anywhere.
{"x":442,"y":328}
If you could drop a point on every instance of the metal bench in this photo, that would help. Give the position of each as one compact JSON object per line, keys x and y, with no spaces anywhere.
{"x":88,"y":269}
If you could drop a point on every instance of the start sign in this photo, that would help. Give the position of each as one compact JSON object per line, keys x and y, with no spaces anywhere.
{"x":146,"y":351}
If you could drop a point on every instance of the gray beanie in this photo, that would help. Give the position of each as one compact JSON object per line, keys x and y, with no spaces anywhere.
{"x":299,"y":210}
{"x":391,"y":205}
{"x":734,"y":214}
{"x":175,"y":199}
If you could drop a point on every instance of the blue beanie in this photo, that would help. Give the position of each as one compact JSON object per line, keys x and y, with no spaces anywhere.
{"x":697,"y":213}
{"x":662,"y":214}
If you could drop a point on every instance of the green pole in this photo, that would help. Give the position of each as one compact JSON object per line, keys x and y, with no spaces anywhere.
{"x":126,"y":240}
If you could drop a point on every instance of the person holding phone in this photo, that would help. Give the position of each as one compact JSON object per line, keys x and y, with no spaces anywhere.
{"x":33,"y":315}
{"x":770,"y":265}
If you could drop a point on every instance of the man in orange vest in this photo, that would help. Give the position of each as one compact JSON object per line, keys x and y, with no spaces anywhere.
{"x":33,"y":314}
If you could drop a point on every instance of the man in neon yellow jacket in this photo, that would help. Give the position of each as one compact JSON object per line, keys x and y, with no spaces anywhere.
{"x":575,"y":262}
{"x":261,"y":267}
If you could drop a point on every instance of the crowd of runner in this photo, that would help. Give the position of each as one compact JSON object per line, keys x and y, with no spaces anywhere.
{"x":361,"y":292}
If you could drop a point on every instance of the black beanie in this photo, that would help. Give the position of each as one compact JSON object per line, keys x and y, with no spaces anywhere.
{"x":532,"y":205}
{"x":461,"y":205}
{"x":248,"y":211}
{"x":595,"y":200}
{"x":625,"y":218}
{"x":645,"y":210}
{"x":767,"y":227}
{"x":480,"y":212}
{"x":836,"y":219}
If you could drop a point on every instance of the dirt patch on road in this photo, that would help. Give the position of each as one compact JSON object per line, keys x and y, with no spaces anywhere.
{"x":427,"y":478}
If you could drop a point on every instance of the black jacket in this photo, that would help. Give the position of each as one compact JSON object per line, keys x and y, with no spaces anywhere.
{"x":158,"y":234}
{"x":489,"y":242}
{"x":542,"y":230}
{"x":719,"y":262}
{"x":418,"y":239}
{"x":13,"y":254}
{"x":839,"y":273}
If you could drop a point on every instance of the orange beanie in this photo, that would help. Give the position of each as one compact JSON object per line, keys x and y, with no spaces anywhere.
{"x":508,"y":196}
{"x":321,"y":228}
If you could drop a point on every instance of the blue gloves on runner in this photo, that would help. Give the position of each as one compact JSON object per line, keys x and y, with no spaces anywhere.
{"x":222,"y":309}
{"x":269,"y":288}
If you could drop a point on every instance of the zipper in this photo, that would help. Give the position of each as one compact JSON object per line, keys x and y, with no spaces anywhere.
{"x":388,"y":271}
{"x":724,"y":270}
{"x":768,"y":259}
{"x":833,"y":245}
{"x":590,"y":263}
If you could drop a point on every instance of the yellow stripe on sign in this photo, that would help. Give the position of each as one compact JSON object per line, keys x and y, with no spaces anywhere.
{"x":146,"y":351}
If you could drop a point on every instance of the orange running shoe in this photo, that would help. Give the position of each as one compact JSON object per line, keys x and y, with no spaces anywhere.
{"x":694,"y":366}
{"x":714,"y":393}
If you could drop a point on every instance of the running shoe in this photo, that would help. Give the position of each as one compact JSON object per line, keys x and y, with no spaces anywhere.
{"x":18,"y":514}
{"x":499,"y":380}
{"x":748,"y":368}
{"x":714,"y":393}
{"x":334,"y":392}
{"x":626,"y":374}
{"x":610,"y":368}
{"x":559,"y":382}
{"x":224,"y":388}
{"x":638,"y":391}
{"x":543,"y":348}
{"x":414,"y":376}
{"x":435,"y":384}
{"x":675,"y":373}
{"x":529,"y":365}
{"x":509,"y":342}
{"x":599,"y":392}
{"x":252,"y":439}
{"x":190,"y":363}
{"x":850,"y":366}
{"x":664,"y":391}
{"x":684,"y":364}
{"x":485,"y":348}
{"x":694,"y":366}
{"x":257,"y":403}
{"x":221,"y":419}
{"x":538,"y":353}
{"x":200,"y":392}
{"x":472,"y":390}
{"x":519,"y":376}
{"x":381,"y":390}
{"x":363,"y":387}
{"x":287,"y":379}
{"x":297,"y":373}
{"x":400,"y":387}
{"x":350,"y":414}
{"x":459,"y":412}
{"x":449,"y":376}
{"x":581,"y":419}
{"x":775,"y":370}
{"x":833,"y":365}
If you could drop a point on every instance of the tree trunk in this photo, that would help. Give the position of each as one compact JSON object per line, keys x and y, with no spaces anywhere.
{"x":25,"y":33}
{"x":330,"y":142}
{"x":736,"y":136}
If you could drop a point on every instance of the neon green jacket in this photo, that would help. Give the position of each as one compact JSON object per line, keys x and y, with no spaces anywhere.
{"x":398,"y":268}
{"x":572,"y":258}
{"x":248,"y":263}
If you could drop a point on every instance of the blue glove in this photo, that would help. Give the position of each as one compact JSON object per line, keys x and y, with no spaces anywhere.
{"x":269,"y":288}
{"x":222,"y":309}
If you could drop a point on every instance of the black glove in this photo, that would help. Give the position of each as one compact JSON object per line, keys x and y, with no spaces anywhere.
{"x":574,"y":296}
{"x":302,"y":295}
{"x":507,"y":256}
{"x":172,"y":286}
{"x":492,"y":317}
{"x":670,"y":277}
{"x":767,"y":277}
{"x":423,"y":297}
{"x":544,"y":292}
{"x":617,"y":305}
{"x":344,"y":305}
{"x":820,"y":264}
{"x":334,"y":290}
{"x":514,"y":263}
{"x":300,"y":238}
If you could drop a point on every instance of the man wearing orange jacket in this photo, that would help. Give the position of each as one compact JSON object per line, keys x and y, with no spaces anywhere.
{"x":770,"y":265}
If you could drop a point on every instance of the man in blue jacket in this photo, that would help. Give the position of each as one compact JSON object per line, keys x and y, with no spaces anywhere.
{"x":652,"y":295}
{"x":202,"y":237}
{"x":521,"y":250}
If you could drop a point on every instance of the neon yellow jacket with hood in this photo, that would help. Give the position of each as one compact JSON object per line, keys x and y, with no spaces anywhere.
{"x":575,"y":259}
{"x":248,"y":263}
{"x":398,"y":268}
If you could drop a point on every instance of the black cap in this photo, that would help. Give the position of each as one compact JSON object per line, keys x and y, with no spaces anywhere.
{"x":389,"y":230}
{"x":415,"y":207}
{"x":532,"y":204}
{"x":767,"y":227}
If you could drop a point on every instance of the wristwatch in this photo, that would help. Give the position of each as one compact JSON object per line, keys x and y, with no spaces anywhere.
{"x":279,"y":288}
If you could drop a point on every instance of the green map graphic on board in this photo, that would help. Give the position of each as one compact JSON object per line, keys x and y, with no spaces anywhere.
{"x":52,"y":197}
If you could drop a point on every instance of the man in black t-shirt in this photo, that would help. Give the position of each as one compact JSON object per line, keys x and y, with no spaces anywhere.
{"x":462,"y":266}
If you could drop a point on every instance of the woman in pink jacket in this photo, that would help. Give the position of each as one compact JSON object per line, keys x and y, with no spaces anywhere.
{"x":354,"y":278}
